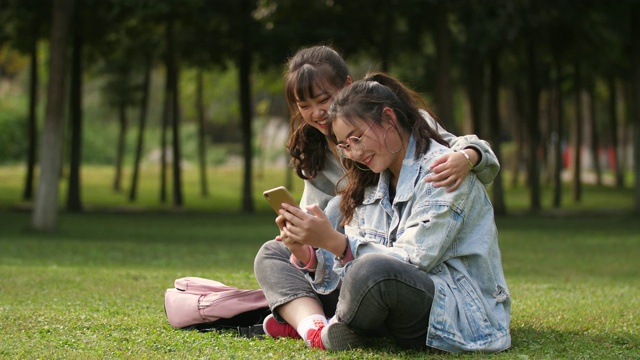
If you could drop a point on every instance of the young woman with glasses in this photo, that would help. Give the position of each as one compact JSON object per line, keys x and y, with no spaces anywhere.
{"x":285,"y":268}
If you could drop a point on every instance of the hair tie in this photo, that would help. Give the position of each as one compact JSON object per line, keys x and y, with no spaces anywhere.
{"x":371,"y":79}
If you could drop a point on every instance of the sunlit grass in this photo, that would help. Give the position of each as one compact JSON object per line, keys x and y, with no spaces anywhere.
{"x":94,"y":289}
{"x":225,"y":184}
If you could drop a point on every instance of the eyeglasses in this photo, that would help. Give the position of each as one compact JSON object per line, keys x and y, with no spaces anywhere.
{"x":353,"y":143}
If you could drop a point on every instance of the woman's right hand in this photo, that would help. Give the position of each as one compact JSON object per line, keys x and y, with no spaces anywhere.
{"x":312,"y":228}
{"x":299,"y":250}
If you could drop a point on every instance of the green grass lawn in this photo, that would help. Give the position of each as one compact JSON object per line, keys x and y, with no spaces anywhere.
{"x":94,"y":289}
{"x":225,"y":185}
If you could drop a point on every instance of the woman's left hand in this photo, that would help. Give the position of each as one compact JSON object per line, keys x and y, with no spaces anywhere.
{"x":450,"y":169}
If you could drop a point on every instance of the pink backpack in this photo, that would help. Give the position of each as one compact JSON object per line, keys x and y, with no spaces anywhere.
{"x":203,"y":304}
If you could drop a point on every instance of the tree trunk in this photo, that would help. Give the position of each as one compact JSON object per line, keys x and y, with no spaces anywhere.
{"x":142,"y":122}
{"x":173,"y":77}
{"x":635,"y":38}
{"x":558,"y":136}
{"x":289,"y":172}
{"x":117,"y":180}
{"x":32,"y":123}
{"x":577,"y":135}
{"x":533,"y":127}
{"x":166,"y":116}
{"x":514,"y":104}
{"x":547,"y":133}
{"x":288,"y":178}
{"x":202,"y":145}
{"x":444,"y":89}
{"x":475,"y":90}
{"x":499,"y":205}
{"x":177,"y":149}
{"x":45,"y":211}
{"x":627,"y":125}
{"x":595,"y":140}
{"x":613,"y":125}
{"x":245,"y":110}
{"x":74,"y":201}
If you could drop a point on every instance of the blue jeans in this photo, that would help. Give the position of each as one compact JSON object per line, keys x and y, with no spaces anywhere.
{"x":379,"y":294}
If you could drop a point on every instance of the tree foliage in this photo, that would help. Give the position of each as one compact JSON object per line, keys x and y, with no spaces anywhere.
{"x":451,"y":51}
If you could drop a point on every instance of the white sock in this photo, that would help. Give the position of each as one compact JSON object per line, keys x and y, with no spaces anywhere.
{"x":311,"y":322}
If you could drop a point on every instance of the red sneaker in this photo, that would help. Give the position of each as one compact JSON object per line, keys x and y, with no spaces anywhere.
{"x":314,"y":338}
{"x":276,"y":329}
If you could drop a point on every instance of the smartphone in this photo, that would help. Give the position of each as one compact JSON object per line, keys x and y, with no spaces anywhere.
{"x":277,"y":196}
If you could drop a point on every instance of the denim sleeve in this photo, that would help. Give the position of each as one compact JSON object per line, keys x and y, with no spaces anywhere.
{"x":332,"y":210}
{"x":324,"y":280}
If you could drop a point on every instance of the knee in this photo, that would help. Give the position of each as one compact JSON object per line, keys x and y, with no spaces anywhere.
{"x":268,"y":251}
{"x":370,"y":267}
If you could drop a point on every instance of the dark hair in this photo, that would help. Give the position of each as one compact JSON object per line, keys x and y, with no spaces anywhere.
{"x":365,"y":99}
{"x":319,"y":66}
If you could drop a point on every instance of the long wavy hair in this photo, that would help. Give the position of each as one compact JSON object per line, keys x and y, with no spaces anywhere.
{"x":366,"y":99}
{"x":322,"y":67}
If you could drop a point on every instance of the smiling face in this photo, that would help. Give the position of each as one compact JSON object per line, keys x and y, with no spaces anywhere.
{"x":314,"y":107}
{"x":376,"y":143}
{"x":314,"y":76}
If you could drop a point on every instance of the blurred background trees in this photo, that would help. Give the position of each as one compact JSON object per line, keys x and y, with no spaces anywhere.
{"x":551,"y":84}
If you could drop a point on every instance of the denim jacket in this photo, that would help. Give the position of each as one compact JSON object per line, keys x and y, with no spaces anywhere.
{"x":322,"y":189}
{"x":450,"y":235}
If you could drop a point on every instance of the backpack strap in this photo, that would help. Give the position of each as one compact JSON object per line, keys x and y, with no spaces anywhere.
{"x":247,"y":324}
{"x":254,"y":331}
{"x":249,"y":332}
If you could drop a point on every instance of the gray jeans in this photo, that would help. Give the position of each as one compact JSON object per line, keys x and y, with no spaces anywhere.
{"x":379,"y":294}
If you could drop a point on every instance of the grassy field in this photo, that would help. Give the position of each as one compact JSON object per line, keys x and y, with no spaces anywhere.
{"x":225,"y":185}
{"x":94,"y":289}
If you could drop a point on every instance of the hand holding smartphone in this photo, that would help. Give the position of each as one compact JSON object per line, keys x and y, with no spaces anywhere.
{"x":277,"y":196}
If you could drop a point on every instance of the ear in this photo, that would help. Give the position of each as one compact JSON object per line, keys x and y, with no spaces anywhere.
{"x":389,"y":115}
{"x":349,"y":81}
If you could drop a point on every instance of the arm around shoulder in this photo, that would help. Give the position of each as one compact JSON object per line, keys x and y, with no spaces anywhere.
{"x":487,"y":166}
